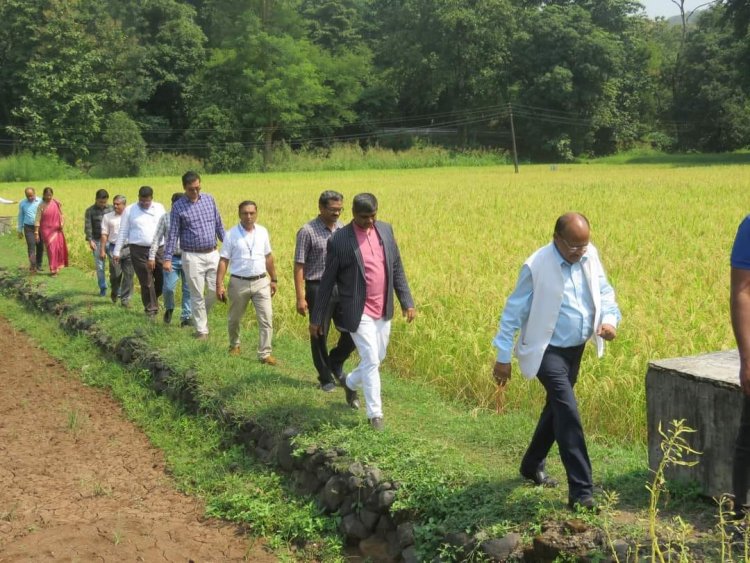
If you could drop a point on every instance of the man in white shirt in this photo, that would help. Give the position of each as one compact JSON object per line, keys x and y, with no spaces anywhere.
{"x":562,"y":300}
{"x":246,"y":252}
{"x":138,"y":228}
{"x":121,"y":273}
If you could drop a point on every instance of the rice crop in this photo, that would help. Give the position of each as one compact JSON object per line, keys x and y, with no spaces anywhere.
{"x":664,"y":234}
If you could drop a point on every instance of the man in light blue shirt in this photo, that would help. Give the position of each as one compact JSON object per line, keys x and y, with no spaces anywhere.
{"x":561,"y":300}
{"x":26,"y":215}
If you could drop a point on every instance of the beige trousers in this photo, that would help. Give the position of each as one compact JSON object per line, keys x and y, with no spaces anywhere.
{"x":241,"y":292}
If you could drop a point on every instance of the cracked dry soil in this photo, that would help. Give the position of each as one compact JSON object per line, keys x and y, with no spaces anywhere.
{"x":79,"y":482}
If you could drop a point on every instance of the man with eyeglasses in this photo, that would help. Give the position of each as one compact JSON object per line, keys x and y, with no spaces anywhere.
{"x":309,"y":263}
{"x":138,"y":230}
{"x":562,"y":299}
{"x":26,"y":216}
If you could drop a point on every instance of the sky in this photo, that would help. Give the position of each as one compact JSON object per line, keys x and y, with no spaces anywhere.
{"x":667,"y":8}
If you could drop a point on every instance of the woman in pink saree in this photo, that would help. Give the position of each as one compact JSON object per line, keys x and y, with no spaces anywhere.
{"x":48,"y":227}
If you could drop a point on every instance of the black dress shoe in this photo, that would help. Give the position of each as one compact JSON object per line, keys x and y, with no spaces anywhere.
{"x":351,"y":396}
{"x":539,"y":478}
{"x":583,"y":504}
{"x":168,"y":316}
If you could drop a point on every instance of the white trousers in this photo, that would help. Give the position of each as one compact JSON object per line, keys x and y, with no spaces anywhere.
{"x":371,"y":340}
{"x":200,"y":271}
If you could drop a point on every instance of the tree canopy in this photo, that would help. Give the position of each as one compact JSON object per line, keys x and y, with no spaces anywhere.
{"x":225,"y":80}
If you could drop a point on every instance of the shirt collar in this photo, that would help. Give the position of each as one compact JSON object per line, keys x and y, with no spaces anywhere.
{"x":563,"y":261}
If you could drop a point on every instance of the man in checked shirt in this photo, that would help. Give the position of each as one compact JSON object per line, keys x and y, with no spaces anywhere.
{"x":196,"y":223}
{"x":309,"y":263}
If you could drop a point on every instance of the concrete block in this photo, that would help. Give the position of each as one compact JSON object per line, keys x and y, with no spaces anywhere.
{"x":704,"y":390}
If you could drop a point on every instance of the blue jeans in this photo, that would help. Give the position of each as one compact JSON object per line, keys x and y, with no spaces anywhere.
{"x":170,"y":284}
{"x":99,"y":265}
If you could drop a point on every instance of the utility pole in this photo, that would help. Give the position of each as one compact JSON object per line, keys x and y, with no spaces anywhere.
{"x":513,"y":137}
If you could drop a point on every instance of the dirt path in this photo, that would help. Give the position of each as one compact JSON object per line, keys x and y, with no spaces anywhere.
{"x":79,"y":482}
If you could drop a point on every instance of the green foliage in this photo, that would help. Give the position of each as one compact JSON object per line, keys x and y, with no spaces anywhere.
{"x":126,"y":149}
{"x":27,"y":167}
{"x":167,"y":164}
{"x":711,"y":97}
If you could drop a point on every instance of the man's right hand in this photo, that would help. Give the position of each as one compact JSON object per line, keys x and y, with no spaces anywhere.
{"x":166,"y":265}
{"x":221,"y":293}
{"x":302,"y":306}
{"x":501,"y":373}
{"x":315,"y":330}
{"x":20,"y":234}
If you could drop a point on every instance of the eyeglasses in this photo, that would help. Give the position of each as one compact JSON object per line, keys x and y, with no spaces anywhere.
{"x":334,"y":209}
{"x":579,"y":248}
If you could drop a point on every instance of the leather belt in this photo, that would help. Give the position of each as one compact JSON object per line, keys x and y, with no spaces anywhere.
{"x":201,"y":251}
{"x":249,"y":278}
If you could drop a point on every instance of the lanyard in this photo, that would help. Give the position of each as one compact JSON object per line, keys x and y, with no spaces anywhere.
{"x":243,"y":232}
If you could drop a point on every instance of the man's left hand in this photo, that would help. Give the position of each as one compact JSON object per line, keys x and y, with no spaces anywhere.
{"x":607,"y":332}
{"x":410,"y":314}
{"x":274,"y":286}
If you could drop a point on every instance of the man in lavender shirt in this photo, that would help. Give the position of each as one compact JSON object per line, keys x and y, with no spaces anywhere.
{"x":196,"y":223}
{"x":364,"y":261}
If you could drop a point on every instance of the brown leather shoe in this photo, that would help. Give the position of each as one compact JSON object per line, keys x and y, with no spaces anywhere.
{"x":234,"y":351}
{"x":268,"y":360}
{"x":201,"y":336}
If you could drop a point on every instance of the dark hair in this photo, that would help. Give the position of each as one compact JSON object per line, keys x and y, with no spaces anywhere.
{"x":119,"y":197}
{"x":146,"y":191}
{"x":189,"y":177}
{"x":48,"y":190}
{"x":564,"y":220}
{"x":328,"y":196}
{"x":102,"y":194}
{"x":176,"y":196}
{"x":247,"y":202}
{"x":365,"y":203}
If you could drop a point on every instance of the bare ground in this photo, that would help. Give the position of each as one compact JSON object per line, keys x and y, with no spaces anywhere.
{"x":79,"y":482}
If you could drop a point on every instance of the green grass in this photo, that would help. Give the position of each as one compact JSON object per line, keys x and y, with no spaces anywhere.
{"x":457,"y":465}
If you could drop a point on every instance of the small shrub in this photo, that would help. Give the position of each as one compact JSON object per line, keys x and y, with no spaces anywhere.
{"x":29,"y":167}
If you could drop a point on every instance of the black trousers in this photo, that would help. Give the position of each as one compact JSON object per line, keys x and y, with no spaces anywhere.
{"x":34,"y":250}
{"x":741,"y":469}
{"x":327,"y":363}
{"x":560,"y":422}
{"x":151,"y":282}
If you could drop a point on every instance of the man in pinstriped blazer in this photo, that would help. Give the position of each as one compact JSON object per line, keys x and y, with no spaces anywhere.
{"x":364,"y":261}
